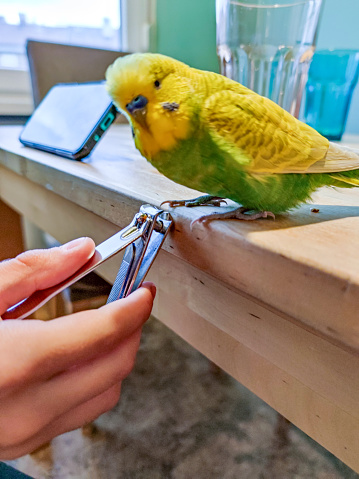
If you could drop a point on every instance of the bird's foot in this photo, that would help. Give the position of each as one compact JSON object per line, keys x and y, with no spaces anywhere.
{"x":238,"y":214}
{"x":205,"y":200}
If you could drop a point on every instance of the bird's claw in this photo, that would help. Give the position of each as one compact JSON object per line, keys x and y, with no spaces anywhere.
{"x":239,"y":214}
{"x":205,"y":200}
{"x":214,"y":202}
{"x":174,"y":203}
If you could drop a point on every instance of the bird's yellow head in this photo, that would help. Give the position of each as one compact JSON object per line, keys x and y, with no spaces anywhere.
{"x":155,"y":93}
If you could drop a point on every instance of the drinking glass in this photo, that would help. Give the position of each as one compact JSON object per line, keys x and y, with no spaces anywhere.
{"x":267,"y":45}
{"x":333,"y":75}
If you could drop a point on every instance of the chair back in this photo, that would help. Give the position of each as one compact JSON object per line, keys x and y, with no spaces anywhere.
{"x":52,"y":63}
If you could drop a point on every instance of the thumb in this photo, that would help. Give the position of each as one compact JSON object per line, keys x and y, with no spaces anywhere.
{"x":40,"y":269}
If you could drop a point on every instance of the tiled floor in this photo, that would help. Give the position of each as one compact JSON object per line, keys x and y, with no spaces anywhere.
{"x":181,"y":418}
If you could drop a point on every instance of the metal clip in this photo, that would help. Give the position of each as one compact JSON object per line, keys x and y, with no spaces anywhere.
{"x":140,"y":254}
{"x":142,"y":238}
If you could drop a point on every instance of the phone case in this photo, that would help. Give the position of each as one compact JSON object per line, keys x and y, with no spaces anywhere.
{"x":70,"y":120}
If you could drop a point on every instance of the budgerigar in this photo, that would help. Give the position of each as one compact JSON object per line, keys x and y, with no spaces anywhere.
{"x":210,"y":133}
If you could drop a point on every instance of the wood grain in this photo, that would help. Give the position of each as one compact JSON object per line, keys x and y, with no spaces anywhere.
{"x":309,"y":380}
{"x":275,"y":304}
{"x":304,"y":264}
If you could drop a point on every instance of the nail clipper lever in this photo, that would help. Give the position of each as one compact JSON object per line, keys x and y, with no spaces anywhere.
{"x":142,"y":239}
{"x":140,"y":254}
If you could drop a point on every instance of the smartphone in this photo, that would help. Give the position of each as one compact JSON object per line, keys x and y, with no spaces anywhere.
{"x":70,"y":120}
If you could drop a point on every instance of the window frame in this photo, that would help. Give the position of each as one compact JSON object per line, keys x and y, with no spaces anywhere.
{"x":141,"y":15}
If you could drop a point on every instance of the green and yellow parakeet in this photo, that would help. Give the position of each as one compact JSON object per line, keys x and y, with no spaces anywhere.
{"x":210,"y":133}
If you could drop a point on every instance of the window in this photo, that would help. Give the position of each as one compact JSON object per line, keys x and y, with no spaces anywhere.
{"x":91,"y":23}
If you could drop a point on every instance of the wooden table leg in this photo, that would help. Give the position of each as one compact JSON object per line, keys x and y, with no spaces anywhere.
{"x":11,"y":240}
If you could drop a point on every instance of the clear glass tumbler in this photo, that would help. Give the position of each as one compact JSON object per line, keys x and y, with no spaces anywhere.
{"x":333,"y":75}
{"x":267,"y":45}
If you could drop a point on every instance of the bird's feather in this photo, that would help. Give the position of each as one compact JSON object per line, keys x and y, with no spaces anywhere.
{"x":224,"y":139}
{"x":270,"y":140}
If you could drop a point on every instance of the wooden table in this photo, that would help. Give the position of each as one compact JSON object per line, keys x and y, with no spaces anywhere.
{"x":274,"y":303}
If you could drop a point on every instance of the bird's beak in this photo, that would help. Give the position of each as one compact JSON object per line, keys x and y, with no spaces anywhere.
{"x":138,"y":110}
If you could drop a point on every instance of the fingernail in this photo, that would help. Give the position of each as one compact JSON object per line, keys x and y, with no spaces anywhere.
{"x":151,"y":287}
{"x":74,"y":243}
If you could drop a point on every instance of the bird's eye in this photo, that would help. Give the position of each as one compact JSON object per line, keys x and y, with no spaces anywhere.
{"x":157,"y":84}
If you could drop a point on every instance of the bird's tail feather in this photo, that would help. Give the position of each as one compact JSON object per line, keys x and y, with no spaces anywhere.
{"x":347,"y":179}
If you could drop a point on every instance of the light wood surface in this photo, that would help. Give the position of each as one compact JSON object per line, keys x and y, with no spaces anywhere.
{"x":274,"y":303}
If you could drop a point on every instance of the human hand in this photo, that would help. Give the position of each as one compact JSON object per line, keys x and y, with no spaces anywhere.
{"x":56,"y":376}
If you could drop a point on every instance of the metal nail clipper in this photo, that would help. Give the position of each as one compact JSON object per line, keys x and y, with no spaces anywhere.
{"x":141,"y":239}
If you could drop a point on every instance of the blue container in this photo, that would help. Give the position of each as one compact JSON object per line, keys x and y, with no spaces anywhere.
{"x":333,"y":75}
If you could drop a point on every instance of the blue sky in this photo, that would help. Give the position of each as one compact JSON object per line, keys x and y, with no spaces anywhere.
{"x":62,"y":12}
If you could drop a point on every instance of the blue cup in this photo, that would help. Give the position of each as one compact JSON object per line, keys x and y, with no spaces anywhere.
{"x":333,"y":75}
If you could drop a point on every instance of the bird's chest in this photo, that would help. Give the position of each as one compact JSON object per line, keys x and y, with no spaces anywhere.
{"x":192,"y":164}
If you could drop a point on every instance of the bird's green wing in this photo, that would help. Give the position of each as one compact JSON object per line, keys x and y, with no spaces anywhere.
{"x":266,"y":138}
